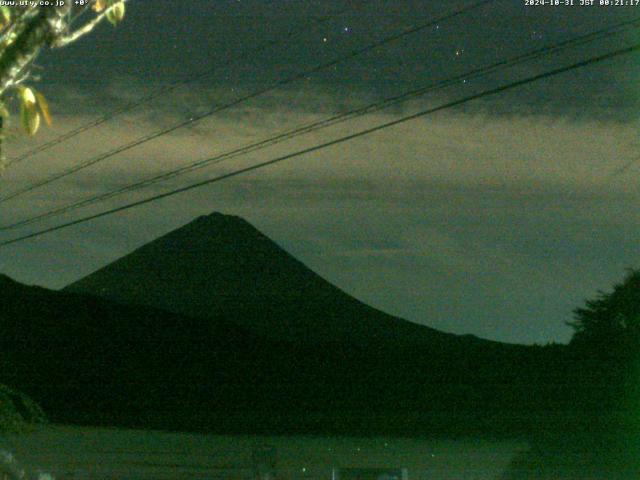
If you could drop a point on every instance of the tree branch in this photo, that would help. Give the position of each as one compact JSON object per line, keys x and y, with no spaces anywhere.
{"x":80,"y":32}
{"x":3,"y":162}
{"x":40,"y":30}
{"x":17,"y":26}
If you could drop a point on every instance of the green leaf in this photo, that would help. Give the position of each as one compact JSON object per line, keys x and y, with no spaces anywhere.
{"x":29,"y":118}
{"x":5,"y":12}
{"x":44,"y":108}
{"x":116,"y":12}
{"x":27,"y":96}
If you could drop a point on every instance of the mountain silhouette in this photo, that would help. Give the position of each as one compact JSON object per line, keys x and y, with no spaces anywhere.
{"x":214,"y":327}
{"x":221,"y":265}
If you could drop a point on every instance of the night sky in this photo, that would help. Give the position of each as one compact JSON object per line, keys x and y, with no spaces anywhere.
{"x":495,"y":218}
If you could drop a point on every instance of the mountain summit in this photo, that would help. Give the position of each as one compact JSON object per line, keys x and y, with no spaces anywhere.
{"x":222,"y":265}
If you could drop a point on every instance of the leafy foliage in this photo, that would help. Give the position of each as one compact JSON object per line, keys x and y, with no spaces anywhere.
{"x":17,"y":411}
{"x":611,"y":318}
{"x":606,"y":349}
{"x":24,"y":32}
{"x":599,"y":436}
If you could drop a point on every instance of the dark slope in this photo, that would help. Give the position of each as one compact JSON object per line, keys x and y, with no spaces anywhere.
{"x":220,"y":264}
{"x":88,"y":360}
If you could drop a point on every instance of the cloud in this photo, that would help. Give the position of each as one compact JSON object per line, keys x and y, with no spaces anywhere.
{"x":496,"y":225}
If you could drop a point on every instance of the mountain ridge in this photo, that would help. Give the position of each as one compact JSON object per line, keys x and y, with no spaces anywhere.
{"x":214,"y":327}
{"x":221,"y":264}
{"x":91,"y":361}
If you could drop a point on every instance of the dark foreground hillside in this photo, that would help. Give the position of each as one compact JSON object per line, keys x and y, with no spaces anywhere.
{"x":91,"y":361}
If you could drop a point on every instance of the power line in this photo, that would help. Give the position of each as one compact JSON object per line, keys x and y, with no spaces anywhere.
{"x":321,"y":146}
{"x":470,"y":75}
{"x":280,"y":83}
{"x":170,"y":88}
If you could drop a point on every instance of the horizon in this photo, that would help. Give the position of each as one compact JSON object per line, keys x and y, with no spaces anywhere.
{"x":228,"y":215}
{"x":496,"y":218}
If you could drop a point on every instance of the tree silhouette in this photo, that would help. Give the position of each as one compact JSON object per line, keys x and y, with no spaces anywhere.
{"x":598,"y":438}
{"x":25,"y":31}
{"x":606,"y":347}
{"x":612,"y":320}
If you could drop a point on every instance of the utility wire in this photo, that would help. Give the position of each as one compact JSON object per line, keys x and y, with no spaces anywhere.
{"x":277,"y":84}
{"x":171,"y":87}
{"x":470,"y":75}
{"x":493,"y":91}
